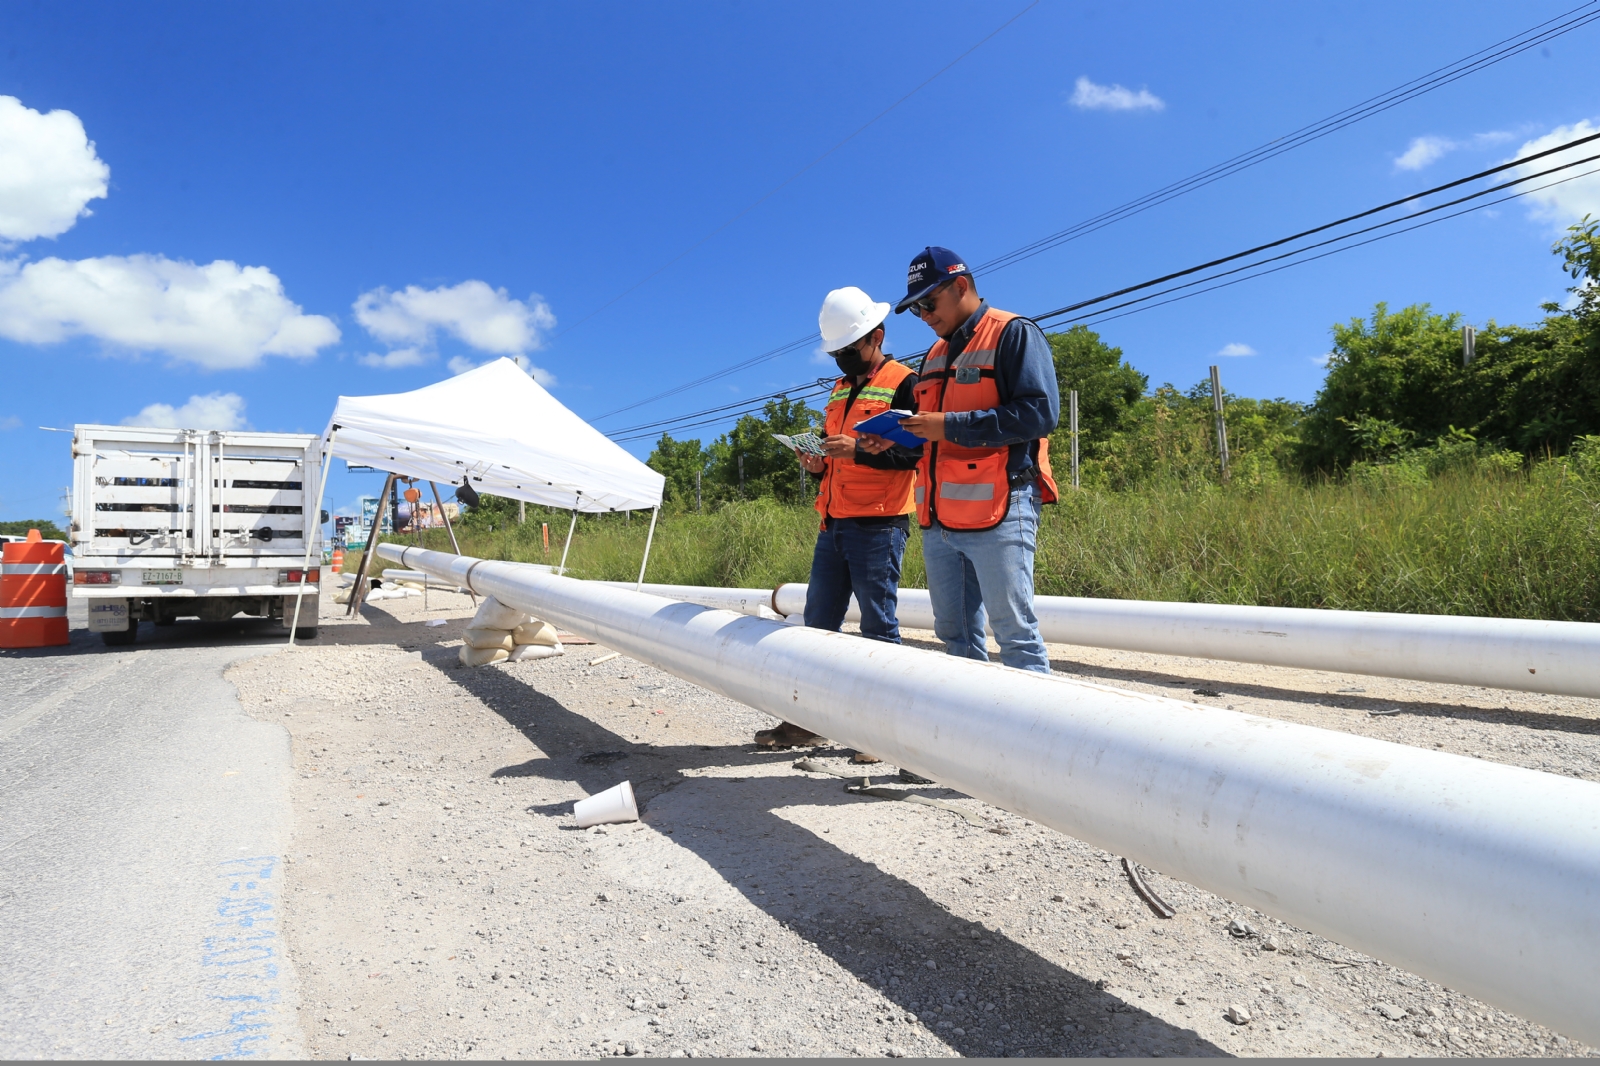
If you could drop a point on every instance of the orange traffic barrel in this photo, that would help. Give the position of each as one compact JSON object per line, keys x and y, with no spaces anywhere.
{"x":338,"y":560}
{"x":33,"y":593}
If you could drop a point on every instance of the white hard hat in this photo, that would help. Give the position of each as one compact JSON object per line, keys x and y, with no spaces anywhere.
{"x":847,"y":315}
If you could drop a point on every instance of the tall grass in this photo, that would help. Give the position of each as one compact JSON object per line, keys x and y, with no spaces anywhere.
{"x":1477,"y":541}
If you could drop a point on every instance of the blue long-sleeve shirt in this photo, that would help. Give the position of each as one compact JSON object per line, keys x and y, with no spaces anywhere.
{"x":1025,"y":377}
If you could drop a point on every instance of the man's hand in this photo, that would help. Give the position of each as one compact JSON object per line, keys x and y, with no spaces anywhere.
{"x":928,"y":425}
{"x":839,"y":446}
{"x":873,"y":444}
{"x":814,"y":464}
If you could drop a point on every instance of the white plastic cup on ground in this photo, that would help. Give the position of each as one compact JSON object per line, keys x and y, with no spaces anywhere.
{"x":612,"y":805}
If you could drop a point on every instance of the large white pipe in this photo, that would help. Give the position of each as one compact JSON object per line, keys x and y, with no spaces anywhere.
{"x":756,"y":602}
{"x":1514,"y":653}
{"x":1482,"y":876}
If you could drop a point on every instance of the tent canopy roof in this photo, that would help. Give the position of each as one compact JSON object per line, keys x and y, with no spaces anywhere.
{"x":500,"y":428}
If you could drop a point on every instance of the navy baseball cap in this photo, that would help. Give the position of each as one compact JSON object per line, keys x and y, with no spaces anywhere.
{"x":930,"y":269}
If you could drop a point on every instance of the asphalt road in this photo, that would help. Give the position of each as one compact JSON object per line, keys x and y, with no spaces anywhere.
{"x":143,"y":817}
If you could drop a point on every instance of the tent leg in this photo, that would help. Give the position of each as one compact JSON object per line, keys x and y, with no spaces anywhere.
{"x":452,"y":531}
{"x":305,"y":531}
{"x":562,"y":569}
{"x":654,"y":513}
{"x":358,"y":590}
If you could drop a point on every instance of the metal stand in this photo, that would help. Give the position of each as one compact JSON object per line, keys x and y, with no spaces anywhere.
{"x":456,"y":547}
{"x":358,"y":591}
{"x":654,"y":513}
{"x":306,"y":519}
{"x":562,"y":569}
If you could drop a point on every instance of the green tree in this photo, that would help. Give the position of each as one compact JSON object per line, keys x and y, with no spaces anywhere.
{"x":770,"y":469}
{"x":1108,"y":387}
{"x":679,"y":461}
{"x":47,"y":528}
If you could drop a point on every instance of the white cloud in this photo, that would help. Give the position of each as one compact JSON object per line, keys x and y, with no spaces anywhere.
{"x":460,"y":364}
{"x":1423,"y":151}
{"x":1088,"y":96}
{"x":1236,"y":349}
{"x":1571,"y":200}
{"x":216,"y":410}
{"x":484,"y":318}
{"x":10,"y":422}
{"x":394,"y":360}
{"x":218,"y":316}
{"x":50,"y":172}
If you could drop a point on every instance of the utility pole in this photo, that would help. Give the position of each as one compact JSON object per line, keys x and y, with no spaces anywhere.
{"x":1072,"y":428}
{"x":741,"y":475}
{"x":522,"y":512}
{"x":1222,"y":423}
{"x":1469,"y":345}
{"x":697,"y":492}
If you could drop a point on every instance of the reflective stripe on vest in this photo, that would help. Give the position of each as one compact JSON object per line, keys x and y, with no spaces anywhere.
{"x":33,"y":569}
{"x":33,"y":612}
{"x":850,"y":490}
{"x":949,"y":491}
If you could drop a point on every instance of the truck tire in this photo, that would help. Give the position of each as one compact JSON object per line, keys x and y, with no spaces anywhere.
{"x":306,"y":633}
{"x":127,"y":636}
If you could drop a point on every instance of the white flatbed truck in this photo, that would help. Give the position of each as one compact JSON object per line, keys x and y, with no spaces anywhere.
{"x":188,"y":523}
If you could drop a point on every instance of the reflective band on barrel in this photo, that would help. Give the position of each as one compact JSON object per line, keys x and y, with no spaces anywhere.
{"x":33,"y":569}
{"x":948,"y":491}
{"x":33,"y":612}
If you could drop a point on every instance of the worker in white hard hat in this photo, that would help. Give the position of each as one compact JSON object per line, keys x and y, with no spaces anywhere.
{"x":865,"y":497}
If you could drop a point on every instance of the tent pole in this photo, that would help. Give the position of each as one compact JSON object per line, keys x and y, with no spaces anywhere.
{"x":562,"y":569}
{"x":305,"y":522}
{"x":654,"y":513}
{"x":451,"y":530}
{"x":356,"y":591}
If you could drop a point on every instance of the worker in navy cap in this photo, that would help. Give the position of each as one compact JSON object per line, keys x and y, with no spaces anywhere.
{"x":986,"y":403}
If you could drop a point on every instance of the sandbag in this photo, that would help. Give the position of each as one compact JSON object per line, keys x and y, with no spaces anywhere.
{"x":482,"y":656}
{"x":535,"y":651}
{"x":535,"y":632}
{"x":492,"y":614}
{"x":487,"y":639}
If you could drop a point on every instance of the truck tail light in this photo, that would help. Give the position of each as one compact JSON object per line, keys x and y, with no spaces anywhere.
{"x":292,"y":577}
{"x":97,"y":577}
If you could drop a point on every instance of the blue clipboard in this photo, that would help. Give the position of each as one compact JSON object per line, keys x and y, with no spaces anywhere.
{"x":887,"y":426}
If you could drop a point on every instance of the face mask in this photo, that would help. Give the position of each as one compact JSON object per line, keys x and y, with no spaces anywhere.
{"x":851,"y":363}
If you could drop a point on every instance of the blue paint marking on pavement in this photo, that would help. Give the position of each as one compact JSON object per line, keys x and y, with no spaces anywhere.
{"x":241,"y":964}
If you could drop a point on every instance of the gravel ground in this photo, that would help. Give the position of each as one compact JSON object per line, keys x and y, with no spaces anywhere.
{"x":442,"y":903}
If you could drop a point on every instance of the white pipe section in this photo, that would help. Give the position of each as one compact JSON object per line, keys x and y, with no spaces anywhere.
{"x":1513,"y":653}
{"x":754,"y":602}
{"x":1482,"y":876}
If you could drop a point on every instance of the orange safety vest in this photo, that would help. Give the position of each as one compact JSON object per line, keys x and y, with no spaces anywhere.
{"x":967,"y":488}
{"x":849,"y":490}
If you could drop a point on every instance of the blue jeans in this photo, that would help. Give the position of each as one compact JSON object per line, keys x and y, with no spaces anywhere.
{"x":969,"y":571}
{"x":863,"y":559}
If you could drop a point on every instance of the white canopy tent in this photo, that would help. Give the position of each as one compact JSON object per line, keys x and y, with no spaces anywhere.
{"x":498,"y":430}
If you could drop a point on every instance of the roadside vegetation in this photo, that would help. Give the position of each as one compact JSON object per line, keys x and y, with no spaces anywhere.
{"x":1412,"y":483}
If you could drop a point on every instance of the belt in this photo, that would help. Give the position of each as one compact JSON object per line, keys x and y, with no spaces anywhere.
{"x":1026,"y":476}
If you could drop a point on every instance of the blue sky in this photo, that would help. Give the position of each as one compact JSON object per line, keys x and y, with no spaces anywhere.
{"x":290,"y":202}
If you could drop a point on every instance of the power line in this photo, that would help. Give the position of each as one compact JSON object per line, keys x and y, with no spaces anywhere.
{"x":797,"y":174}
{"x":1134,"y":306}
{"x":1523,"y":161}
{"x":745,"y":402}
{"x":1441,"y":76}
{"x":1348,"y":247}
{"x":723,"y":418}
{"x":1451,"y":72}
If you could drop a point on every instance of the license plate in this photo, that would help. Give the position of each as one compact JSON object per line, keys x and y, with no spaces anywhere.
{"x":163,"y":577}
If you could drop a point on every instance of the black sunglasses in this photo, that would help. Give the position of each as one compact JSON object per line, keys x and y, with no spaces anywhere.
{"x":855,"y":347}
{"x":924,"y":305}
